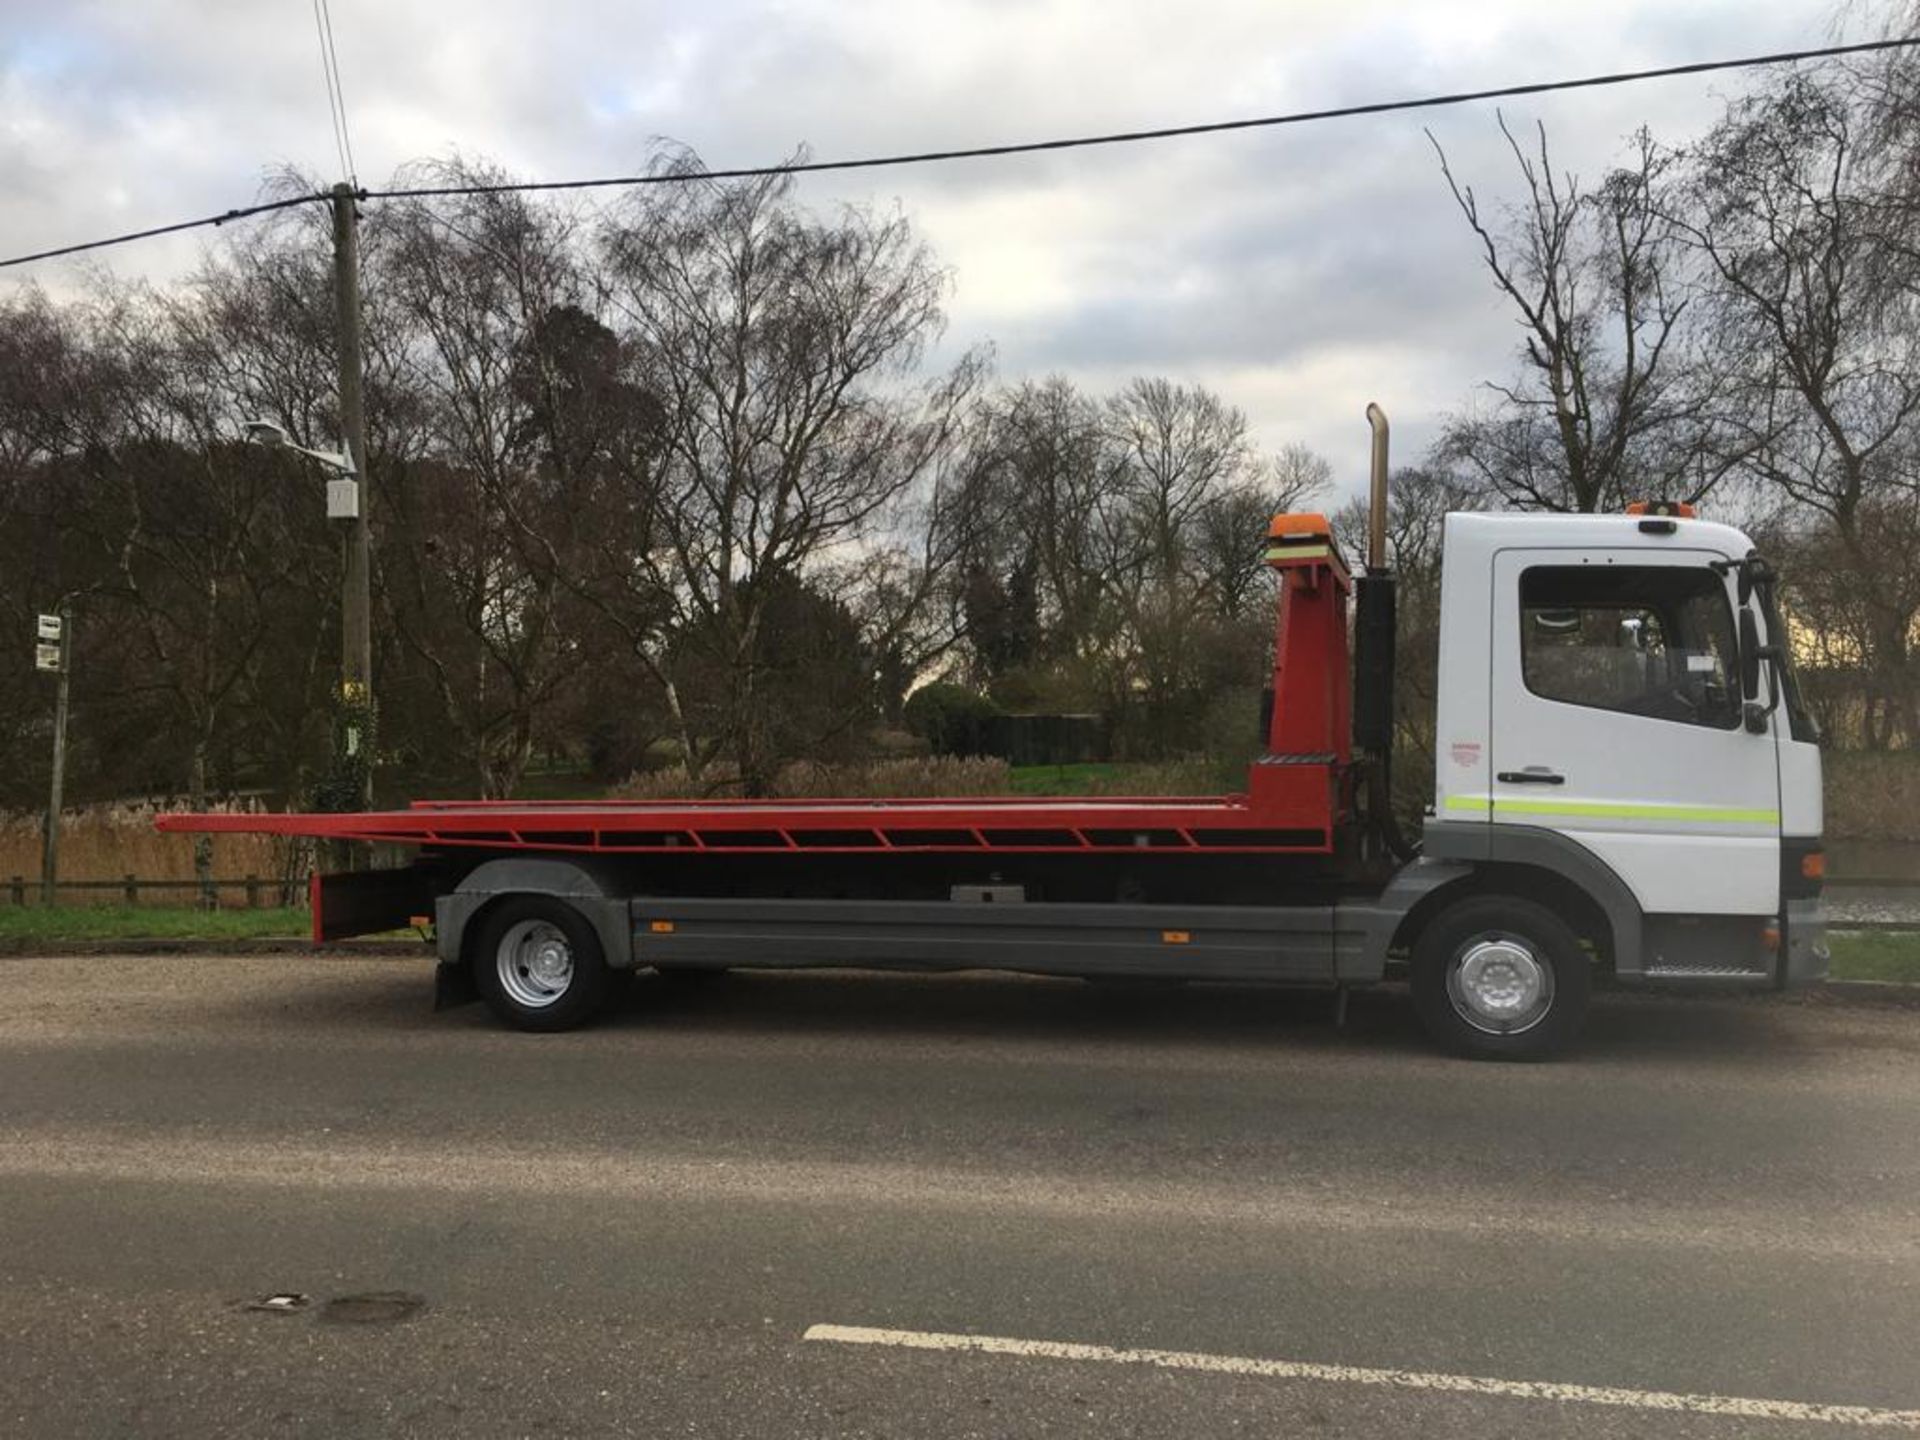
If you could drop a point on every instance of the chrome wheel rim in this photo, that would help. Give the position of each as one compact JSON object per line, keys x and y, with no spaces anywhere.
{"x":1500,"y":985}
{"x":534,"y":963}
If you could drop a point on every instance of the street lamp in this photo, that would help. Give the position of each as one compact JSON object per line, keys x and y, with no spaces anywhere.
{"x":275,"y":437}
{"x":343,"y":491}
{"x":346,"y":490}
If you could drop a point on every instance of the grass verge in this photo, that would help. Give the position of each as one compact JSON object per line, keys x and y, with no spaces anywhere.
{"x":1062,"y":779}
{"x":148,"y":922}
{"x":1876,"y":955}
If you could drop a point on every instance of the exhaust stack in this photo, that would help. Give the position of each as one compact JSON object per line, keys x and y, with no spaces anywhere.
{"x":1373,"y":656}
{"x":1377,"y":502}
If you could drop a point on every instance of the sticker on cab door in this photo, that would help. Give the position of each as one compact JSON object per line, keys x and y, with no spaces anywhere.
{"x":1465,"y":753}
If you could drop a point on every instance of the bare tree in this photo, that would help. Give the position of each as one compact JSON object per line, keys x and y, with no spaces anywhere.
{"x":1883,"y":90}
{"x":1175,"y":447}
{"x":42,"y":374}
{"x":1781,"y":208}
{"x":1613,"y":400}
{"x":910,"y":585}
{"x":1230,"y":530}
{"x":190,"y":528}
{"x":1293,"y":475}
{"x":1063,"y":526}
{"x":783,"y":350}
{"x":485,"y":285}
{"x":254,"y":329}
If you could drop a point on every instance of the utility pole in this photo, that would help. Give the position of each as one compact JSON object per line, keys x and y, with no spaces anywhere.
{"x":356,"y":600}
{"x":55,"y":652}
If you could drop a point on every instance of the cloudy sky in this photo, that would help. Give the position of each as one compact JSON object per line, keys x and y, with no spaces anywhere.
{"x":1301,"y":272}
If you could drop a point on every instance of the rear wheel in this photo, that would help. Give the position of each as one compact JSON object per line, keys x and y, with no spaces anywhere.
{"x":1501,"y":978}
{"x":539,"y":965}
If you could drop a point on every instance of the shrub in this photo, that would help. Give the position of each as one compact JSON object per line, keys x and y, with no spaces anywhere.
{"x":1873,"y":795}
{"x":951,"y":718}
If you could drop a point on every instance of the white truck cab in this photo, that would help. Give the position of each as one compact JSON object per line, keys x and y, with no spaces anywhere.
{"x":1616,"y":705}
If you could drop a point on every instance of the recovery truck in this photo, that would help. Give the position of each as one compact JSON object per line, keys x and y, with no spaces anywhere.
{"x":1627,"y":787}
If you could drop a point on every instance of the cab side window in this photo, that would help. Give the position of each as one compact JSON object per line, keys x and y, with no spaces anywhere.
{"x":1652,"y":640}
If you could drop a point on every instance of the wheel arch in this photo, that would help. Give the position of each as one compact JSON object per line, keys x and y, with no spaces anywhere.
{"x":1566,"y":872}
{"x":597,"y":894}
{"x":1586,"y":916}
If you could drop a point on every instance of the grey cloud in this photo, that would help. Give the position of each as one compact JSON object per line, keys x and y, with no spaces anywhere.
{"x":1264,"y":260}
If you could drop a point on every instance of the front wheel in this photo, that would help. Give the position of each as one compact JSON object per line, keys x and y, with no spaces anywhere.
{"x":1500,"y":978}
{"x":539,"y":965}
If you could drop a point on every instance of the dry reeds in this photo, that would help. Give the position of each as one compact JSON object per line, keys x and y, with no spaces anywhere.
{"x":111,"y":842}
{"x":810,"y":780}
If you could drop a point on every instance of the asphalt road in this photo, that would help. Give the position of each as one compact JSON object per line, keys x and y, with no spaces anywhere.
{"x":632,"y":1230}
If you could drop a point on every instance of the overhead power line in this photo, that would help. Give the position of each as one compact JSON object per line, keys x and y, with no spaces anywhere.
{"x":333,"y":91}
{"x":336,"y":92}
{"x":1170,"y":132}
{"x":221,"y":219}
{"x":1029,"y":147}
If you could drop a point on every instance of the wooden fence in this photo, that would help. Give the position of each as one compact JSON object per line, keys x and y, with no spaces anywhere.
{"x":23,"y":890}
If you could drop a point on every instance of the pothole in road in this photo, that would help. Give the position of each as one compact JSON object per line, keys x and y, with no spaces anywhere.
{"x":375,"y":1307}
{"x":284,"y":1303}
{"x":378,"y":1307}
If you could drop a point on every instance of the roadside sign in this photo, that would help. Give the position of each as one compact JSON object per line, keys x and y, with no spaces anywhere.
{"x":49,"y":628}
{"x":46,"y":657}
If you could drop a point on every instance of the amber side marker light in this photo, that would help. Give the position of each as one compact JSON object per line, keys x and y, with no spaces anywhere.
{"x":1813,"y":866}
{"x":1770,"y":937}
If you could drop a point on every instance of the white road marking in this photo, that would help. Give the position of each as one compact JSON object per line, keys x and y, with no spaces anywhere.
{"x":1728,"y":1406}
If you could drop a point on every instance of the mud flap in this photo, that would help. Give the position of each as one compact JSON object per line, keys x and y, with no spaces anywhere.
{"x":453,"y":987}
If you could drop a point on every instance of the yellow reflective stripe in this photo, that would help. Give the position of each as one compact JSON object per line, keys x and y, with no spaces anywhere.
{"x":1299,"y":552}
{"x":1614,"y":810}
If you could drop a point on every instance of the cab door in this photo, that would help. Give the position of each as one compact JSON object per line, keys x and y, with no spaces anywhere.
{"x":1616,"y":720}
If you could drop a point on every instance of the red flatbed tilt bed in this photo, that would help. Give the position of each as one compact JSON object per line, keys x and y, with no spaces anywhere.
{"x":1290,"y":814}
{"x":1297,"y":792}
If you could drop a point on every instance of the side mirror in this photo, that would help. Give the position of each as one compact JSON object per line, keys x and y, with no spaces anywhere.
{"x":1749,"y":655}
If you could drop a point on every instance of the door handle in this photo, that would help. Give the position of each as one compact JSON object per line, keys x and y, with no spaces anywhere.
{"x":1532,"y":775}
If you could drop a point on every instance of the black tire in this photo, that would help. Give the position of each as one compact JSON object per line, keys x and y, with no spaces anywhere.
{"x":1529,"y":960}
{"x":524,"y":988}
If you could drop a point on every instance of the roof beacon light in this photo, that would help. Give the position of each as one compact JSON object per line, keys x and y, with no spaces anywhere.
{"x":1675,"y":509}
{"x":1302,"y":539}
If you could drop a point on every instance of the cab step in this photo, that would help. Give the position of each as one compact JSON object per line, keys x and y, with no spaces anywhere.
{"x":1728,"y":974}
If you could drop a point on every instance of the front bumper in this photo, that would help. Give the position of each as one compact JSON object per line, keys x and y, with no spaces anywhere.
{"x":1807,"y":958}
